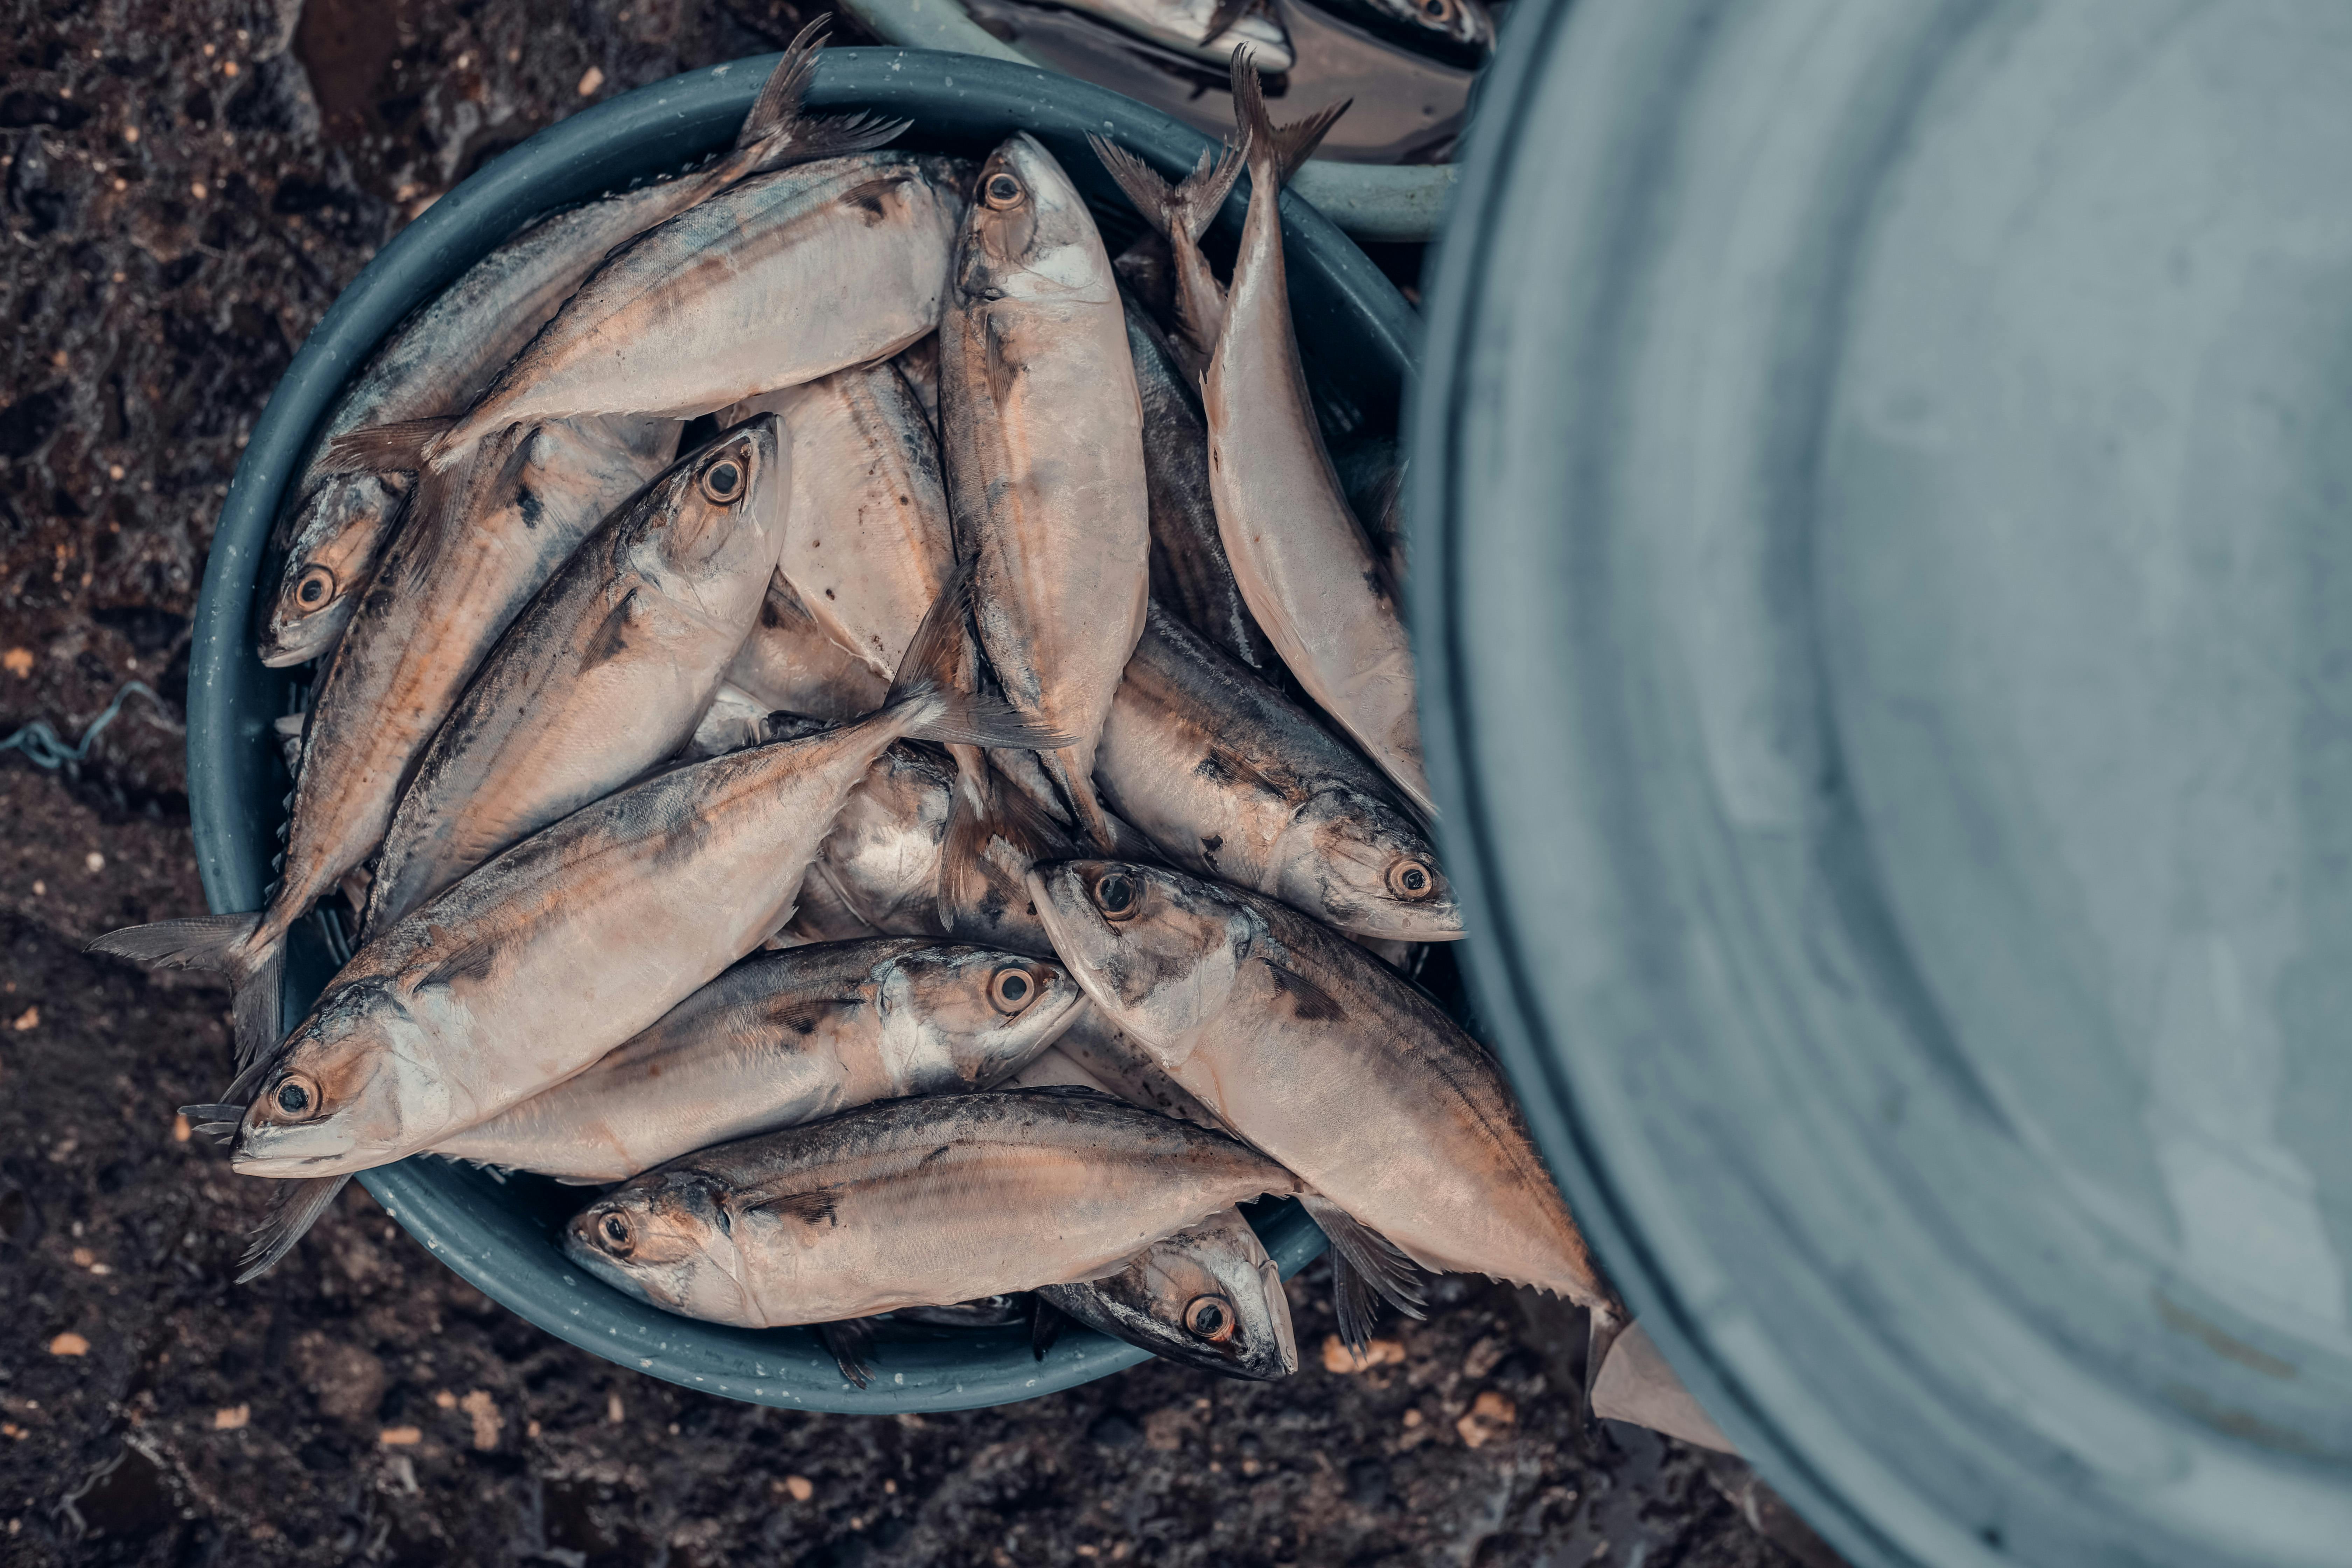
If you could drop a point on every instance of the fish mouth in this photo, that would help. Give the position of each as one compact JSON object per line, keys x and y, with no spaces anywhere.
{"x":581,"y":1251}
{"x":281,"y":1151}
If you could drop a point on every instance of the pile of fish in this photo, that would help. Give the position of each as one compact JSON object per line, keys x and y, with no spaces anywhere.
{"x":1459,"y":31}
{"x":844,"y":731}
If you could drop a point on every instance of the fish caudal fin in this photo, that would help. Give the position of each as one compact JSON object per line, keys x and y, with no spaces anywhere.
{"x":1277,"y":149}
{"x":851,"y":1344}
{"x":934,"y":696}
{"x":777,"y":133}
{"x":1074,"y":780}
{"x":1365,"y":1267}
{"x":1186,"y":208}
{"x":299,"y":1205}
{"x":1046,"y":1322}
{"x":224,"y":944}
{"x":402,"y":446}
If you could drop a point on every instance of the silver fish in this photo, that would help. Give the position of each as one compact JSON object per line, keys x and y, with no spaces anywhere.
{"x":788,"y":665}
{"x":867,"y":543}
{"x":480,"y":542}
{"x":1303,"y":563}
{"x":911,"y":1202}
{"x":780,"y":1039}
{"x":1207,"y":1297}
{"x":777,"y":280}
{"x":447,"y":353}
{"x":574,"y":941}
{"x":1189,"y":574}
{"x":1230,"y":780}
{"x":1043,"y":433}
{"x":1458,"y":32}
{"x":1315,"y":1053}
{"x":604,"y":674}
{"x":1211,"y":30}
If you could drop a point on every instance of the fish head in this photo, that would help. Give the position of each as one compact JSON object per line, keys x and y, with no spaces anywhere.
{"x":985,"y":1012}
{"x":1361,"y":864}
{"x":1028,"y":235}
{"x":335,"y":536}
{"x":1464,"y":29}
{"x":721,"y":509}
{"x":351,"y":1089}
{"x":1209,"y":1296}
{"x":1157,"y":950}
{"x":668,"y":1238}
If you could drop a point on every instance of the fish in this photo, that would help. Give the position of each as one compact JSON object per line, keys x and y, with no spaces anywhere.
{"x":574,"y":941}
{"x":1041,"y":431}
{"x":1458,"y":32}
{"x":787,"y":664}
{"x":1091,"y":1053}
{"x":1189,"y":574}
{"x":1207,"y":1297}
{"x":479,"y":543}
{"x":1228,"y":779}
{"x":780,"y":1039}
{"x":605,"y":673}
{"x":1211,"y":30}
{"x":449,"y":351}
{"x":1182,"y":213}
{"x":776,"y":280}
{"x":911,"y":1202}
{"x":1311,"y":1051}
{"x":1323,"y":598}
{"x":912,"y":853}
{"x":867,"y":543}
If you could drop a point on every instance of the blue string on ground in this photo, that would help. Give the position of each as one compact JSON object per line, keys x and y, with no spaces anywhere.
{"x":44,"y":747}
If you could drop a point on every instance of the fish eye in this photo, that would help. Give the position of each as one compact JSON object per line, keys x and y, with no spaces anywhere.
{"x":1437,"y":10}
{"x":1002,"y":191}
{"x":295,"y":1096}
{"x":615,"y":1232}
{"x":1012,"y":989}
{"x":1209,"y":1318}
{"x":1118,"y":895}
{"x":1411,"y":880}
{"x":314,"y":587}
{"x":723,"y":480}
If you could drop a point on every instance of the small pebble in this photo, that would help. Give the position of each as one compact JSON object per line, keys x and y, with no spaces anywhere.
{"x":400,"y":1436}
{"x":232,"y":1418}
{"x":1339,"y":1358}
{"x":613,"y":1411}
{"x":30,"y":1018}
{"x":590,"y":80}
{"x":801,"y":1486}
{"x":94,"y":860}
{"x":18,"y":662}
{"x":68,"y":1344}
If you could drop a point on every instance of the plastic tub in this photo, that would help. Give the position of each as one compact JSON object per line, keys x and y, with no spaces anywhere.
{"x":1887,"y":630}
{"x":1353,"y":325}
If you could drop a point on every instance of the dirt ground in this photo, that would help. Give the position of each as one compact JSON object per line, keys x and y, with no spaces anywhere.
{"x":186,"y":188}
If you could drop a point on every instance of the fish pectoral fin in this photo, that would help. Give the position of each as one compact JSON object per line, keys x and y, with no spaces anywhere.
{"x":1046,"y":1322}
{"x":1308,"y":1001}
{"x":817,"y":1207}
{"x":1366,"y":1268}
{"x":299,"y":1204}
{"x":850,"y":1342}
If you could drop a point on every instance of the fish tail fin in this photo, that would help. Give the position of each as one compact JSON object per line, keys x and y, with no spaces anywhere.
{"x":1046,"y":1322}
{"x":933,"y":698}
{"x":1282,"y":148}
{"x":1608,"y":1325}
{"x":402,"y":446}
{"x":242,"y":946}
{"x":778,"y":133}
{"x":1365,"y":1267}
{"x":1185,"y":208}
{"x":303,"y":1200}
{"x":1074,"y":779}
{"x":850,"y":1342}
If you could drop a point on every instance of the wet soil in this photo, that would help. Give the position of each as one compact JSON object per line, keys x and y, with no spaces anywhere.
{"x":360,"y":1403}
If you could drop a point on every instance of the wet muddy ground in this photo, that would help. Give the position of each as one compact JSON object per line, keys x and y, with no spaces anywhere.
{"x":184,"y":189}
